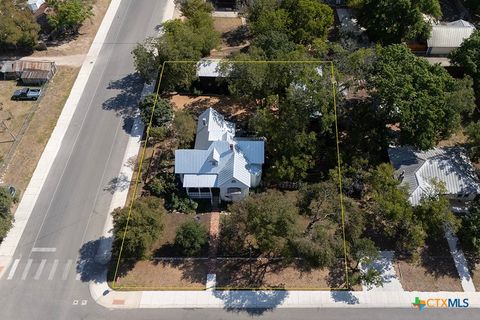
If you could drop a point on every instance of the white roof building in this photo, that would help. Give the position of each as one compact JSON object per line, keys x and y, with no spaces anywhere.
{"x":446,"y":37}
{"x":418,"y":169}
{"x":220,"y":163}
{"x":34,"y":5}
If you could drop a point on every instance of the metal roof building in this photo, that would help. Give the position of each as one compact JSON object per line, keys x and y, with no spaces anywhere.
{"x":446,"y":37}
{"x":220,"y":161}
{"x":418,"y":169}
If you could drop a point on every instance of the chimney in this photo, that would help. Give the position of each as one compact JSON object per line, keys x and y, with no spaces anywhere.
{"x":231,"y":147}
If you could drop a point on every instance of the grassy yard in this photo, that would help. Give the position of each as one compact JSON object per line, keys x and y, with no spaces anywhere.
{"x":12,"y":115}
{"x":164,"y":247}
{"x":30,"y":148}
{"x":165,"y":274}
{"x":167,"y":269}
{"x":435,"y":271}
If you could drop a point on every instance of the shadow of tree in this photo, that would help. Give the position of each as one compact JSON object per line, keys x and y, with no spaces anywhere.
{"x":120,"y":183}
{"x":125,"y":102}
{"x":437,"y":260}
{"x":92,"y":260}
{"x":251,"y":302}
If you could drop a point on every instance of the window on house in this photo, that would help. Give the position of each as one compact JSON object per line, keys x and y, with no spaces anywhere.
{"x":233,"y":190}
{"x":189,"y":190}
{"x":234,"y":181}
{"x":207,"y":190}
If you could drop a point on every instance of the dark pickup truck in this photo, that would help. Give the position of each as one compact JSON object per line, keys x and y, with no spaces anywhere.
{"x":27,"y":94}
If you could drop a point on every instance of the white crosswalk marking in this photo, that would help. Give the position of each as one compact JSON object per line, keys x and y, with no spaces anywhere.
{"x":40,"y":269}
{"x":12,"y":269}
{"x":27,"y":268}
{"x":67,"y":269}
{"x":52,"y":271}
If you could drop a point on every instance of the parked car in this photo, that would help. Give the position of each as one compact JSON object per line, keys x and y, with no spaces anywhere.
{"x":27,"y":94}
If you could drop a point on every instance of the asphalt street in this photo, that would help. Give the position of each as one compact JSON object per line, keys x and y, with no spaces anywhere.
{"x":62,"y":234}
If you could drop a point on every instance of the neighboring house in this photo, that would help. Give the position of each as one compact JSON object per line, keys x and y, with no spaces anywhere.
{"x":418,"y":169}
{"x":222,"y":167}
{"x":34,"y":5}
{"x":209,"y":76}
{"x":446,"y":37}
{"x":30,"y":72}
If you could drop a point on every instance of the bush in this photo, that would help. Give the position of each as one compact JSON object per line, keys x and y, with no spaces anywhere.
{"x":185,"y":127}
{"x":470,"y":229}
{"x":162,"y":185}
{"x":162,"y":114}
{"x":183,"y":204}
{"x":6,"y":217}
{"x":191,"y":237}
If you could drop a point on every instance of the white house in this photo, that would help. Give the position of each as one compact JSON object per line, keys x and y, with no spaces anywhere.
{"x":222,"y":167}
{"x":417,"y":170}
{"x":446,"y":37}
{"x":34,"y":5}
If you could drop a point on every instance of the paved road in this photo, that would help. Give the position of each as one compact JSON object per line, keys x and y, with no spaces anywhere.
{"x":70,"y":213}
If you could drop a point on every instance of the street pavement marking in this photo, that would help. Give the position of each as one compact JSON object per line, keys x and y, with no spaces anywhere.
{"x":27,"y":268}
{"x":54,"y":268}
{"x":84,"y":302}
{"x":40,"y":269}
{"x":67,"y":269}
{"x":44,"y":249}
{"x":12,"y":269}
{"x":75,"y":302}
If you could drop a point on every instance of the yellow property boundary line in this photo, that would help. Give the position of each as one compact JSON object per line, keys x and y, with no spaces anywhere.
{"x":142,"y":157}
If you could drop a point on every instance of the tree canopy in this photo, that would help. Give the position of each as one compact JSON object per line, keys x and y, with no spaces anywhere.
{"x":18,"y":28}
{"x":68,"y":15}
{"x":423,"y":99}
{"x":145,"y":225}
{"x":470,"y":229}
{"x":189,"y":39}
{"x":191,"y":237}
{"x":262,"y":224}
{"x":467,"y":56}
{"x":162,"y":113}
{"x":302,"y":21}
{"x":396,"y":21}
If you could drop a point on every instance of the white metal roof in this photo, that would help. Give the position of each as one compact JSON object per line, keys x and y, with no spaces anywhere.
{"x":448,"y":165}
{"x":226,"y":158}
{"x":449,"y":36}
{"x":199,"y":180}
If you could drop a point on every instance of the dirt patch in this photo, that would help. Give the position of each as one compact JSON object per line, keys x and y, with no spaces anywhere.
{"x":31,"y":146}
{"x":434,"y":272}
{"x":87,"y":33}
{"x":264,"y":273}
{"x":234,"y":36}
{"x":229,"y":107}
{"x":165,"y":274}
{"x":457,"y":139}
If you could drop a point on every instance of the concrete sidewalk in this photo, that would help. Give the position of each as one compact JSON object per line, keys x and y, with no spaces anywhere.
{"x":108,"y":298}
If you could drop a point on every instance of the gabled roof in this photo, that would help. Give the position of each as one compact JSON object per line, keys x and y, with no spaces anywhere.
{"x":417,"y":169}
{"x":225,"y":157}
{"x":450,"y":35}
{"x":212,"y":126}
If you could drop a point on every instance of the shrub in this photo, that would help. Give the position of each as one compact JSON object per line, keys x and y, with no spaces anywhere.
{"x":191,"y":237}
{"x":183,"y":204}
